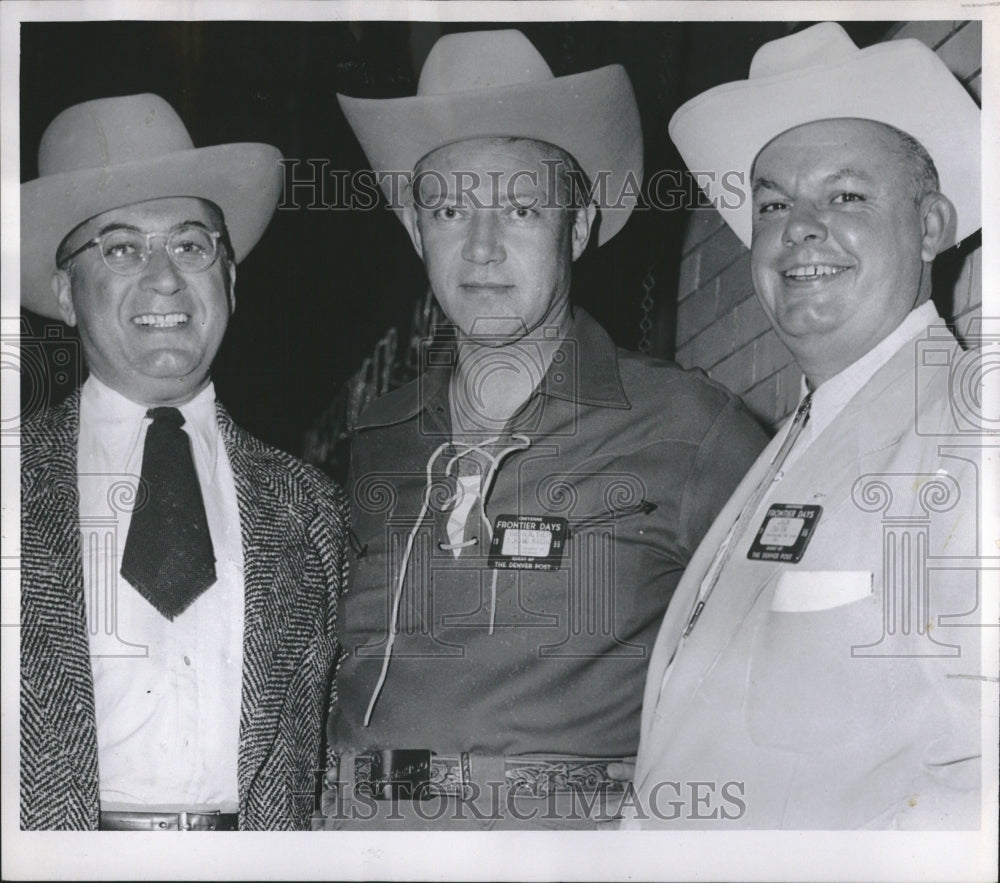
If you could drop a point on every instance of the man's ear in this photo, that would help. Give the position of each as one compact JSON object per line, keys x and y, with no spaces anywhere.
{"x":62,"y":288}
{"x":939,"y":219}
{"x":583,"y":223}
{"x":412,"y":224}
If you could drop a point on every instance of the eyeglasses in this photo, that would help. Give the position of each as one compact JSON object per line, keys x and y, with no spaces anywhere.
{"x":126,"y":251}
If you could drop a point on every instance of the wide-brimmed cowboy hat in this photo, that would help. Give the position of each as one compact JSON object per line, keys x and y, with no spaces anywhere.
{"x":819,"y":73}
{"x":113,"y":152}
{"x":495,"y":83}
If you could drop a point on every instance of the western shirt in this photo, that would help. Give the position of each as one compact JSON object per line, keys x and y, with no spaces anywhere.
{"x":632,"y":456}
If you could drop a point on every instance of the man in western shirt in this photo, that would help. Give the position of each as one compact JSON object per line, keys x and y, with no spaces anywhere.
{"x":527,"y":506}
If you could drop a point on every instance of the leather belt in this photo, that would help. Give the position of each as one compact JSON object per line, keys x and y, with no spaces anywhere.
{"x":418,"y":773}
{"x":168,"y":821}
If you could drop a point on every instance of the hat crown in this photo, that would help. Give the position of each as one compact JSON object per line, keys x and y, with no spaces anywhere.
{"x":110,"y":132}
{"x":819,"y":74}
{"x":481,"y":60}
{"x":823,"y":44}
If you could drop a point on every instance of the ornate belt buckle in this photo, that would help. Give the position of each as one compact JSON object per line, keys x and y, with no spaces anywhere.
{"x":198,"y":821}
{"x":400,"y":774}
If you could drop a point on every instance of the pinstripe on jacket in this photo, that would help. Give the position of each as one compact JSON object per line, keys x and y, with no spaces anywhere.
{"x":294,"y":526}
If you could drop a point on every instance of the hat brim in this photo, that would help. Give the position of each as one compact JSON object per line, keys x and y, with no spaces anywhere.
{"x":901,"y":83}
{"x":593,"y":116}
{"x":243,"y":180}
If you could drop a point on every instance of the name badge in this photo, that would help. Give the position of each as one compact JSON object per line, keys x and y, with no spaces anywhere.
{"x":527,"y":542}
{"x":785,"y":533}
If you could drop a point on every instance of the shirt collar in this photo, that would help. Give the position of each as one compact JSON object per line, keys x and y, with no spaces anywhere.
{"x":587,"y":366}
{"x":119,"y":422}
{"x":830,"y":397}
{"x":585,"y":370}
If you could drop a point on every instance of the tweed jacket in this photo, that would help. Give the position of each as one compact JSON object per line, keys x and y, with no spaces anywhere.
{"x":293,"y":526}
{"x":842,"y":691}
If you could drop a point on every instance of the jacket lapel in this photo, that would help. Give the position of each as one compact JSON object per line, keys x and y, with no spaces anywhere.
{"x":269,"y":592}
{"x":684,"y":599}
{"x":824,"y":473}
{"x":57,"y":680}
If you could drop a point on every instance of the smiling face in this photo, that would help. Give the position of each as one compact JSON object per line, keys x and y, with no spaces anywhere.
{"x":496,"y":236}
{"x":153,"y":336}
{"x":842,"y":243}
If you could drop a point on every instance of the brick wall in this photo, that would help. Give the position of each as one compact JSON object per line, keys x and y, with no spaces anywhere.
{"x":720,"y":326}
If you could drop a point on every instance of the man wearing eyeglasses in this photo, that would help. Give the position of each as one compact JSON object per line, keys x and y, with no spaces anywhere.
{"x":179,"y":577}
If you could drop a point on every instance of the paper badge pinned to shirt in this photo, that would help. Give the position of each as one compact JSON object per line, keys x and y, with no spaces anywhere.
{"x":785,"y":533}
{"x":528,"y":542}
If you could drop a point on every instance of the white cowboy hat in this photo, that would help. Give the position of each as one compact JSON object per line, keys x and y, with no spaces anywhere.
{"x":495,"y":83}
{"x":817,"y":74}
{"x":112,"y":152}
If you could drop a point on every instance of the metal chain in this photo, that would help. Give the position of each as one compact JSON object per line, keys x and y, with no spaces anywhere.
{"x":646,"y":305}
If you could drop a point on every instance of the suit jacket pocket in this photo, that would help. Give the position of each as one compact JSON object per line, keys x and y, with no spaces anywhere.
{"x":806,"y":690}
{"x":807,"y":591}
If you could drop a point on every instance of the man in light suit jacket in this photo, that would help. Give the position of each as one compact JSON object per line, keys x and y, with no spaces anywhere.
{"x":819,"y":666}
{"x":179,"y":578}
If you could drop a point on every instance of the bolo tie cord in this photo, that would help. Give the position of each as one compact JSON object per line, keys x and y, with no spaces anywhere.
{"x":522,"y":443}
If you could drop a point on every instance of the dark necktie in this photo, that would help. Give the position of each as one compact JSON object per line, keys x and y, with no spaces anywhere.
{"x":168,"y":553}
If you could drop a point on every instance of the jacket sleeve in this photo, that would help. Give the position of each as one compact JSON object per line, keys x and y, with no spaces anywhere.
{"x":728,"y":450}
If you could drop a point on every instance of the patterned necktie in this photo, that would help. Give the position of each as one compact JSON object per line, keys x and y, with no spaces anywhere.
{"x":168,"y":553}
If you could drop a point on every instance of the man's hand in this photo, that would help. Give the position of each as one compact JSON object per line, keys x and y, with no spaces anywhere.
{"x":623,"y":771}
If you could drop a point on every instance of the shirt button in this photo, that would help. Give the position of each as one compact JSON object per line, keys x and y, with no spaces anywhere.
{"x":187,"y":660}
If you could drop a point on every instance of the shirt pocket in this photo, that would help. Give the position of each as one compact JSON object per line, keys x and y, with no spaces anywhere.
{"x":806,"y":691}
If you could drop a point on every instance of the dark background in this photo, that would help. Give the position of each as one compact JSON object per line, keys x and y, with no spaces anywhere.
{"x":323,"y":286}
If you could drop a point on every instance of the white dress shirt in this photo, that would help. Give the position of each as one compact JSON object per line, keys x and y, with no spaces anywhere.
{"x":167,"y":693}
{"x":831,"y":397}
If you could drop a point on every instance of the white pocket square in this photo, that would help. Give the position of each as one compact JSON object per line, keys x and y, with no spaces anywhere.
{"x":805,"y":591}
